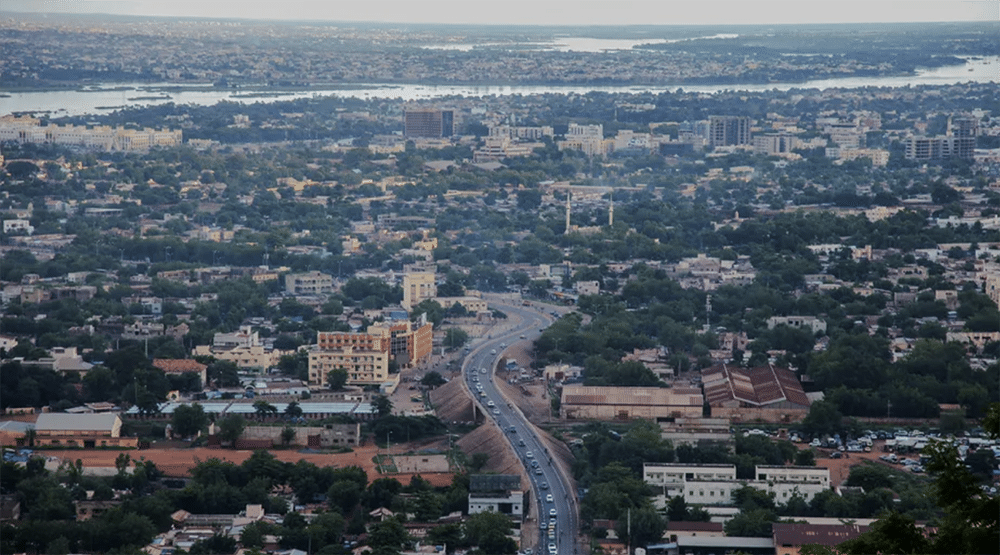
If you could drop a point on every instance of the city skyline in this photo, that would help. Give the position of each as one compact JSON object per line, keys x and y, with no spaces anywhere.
{"x":542,"y":12}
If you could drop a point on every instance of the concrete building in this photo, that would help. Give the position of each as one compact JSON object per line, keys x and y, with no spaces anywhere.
{"x":697,"y":432}
{"x":474,"y":305}
{"x":88,"y":431}
{"x":728,"y":130}
{"x":625,"y":403}
{"x":366,"y":355}
{"x":418,"y":287}
{"x":714,"y":484}
{"x":428,"y":122}
{"x":814,"y":324}
{"x":588,"y":139}
{"x":498,"y":493}
{"x":774,"y":144}
{"x":101,"y":137}
{"x":936,"y":148}
{"x":309,"y":283}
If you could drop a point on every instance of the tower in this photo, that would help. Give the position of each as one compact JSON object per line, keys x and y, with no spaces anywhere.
{"x":611,"y":209}
{"x":568,"y":208}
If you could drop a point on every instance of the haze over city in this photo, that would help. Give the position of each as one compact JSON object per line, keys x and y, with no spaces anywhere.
{"x":544,"y":12}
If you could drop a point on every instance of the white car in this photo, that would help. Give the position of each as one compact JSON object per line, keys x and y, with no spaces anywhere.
{"x":552,"y":548}
{"x":552,"y":512}
{"x":529,"y":454}
{"x":549,"y":499}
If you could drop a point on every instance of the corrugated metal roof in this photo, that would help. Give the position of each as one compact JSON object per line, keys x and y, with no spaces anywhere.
{"x":57,"y":422}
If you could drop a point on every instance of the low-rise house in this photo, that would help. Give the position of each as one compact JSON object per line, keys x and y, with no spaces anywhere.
{"x":499,"y":493}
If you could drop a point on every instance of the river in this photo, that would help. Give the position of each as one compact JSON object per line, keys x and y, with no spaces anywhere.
{"x":104,"y":99}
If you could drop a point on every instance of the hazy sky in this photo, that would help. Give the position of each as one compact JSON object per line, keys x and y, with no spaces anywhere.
{"x":543,"y":12}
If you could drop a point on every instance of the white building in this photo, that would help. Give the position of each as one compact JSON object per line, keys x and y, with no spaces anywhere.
{"x":714,"y":484}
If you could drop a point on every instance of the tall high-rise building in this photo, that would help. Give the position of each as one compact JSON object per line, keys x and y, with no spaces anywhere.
{"x":728,"y":130}
{"x":428,"y":122}
{"x":963,"y":126}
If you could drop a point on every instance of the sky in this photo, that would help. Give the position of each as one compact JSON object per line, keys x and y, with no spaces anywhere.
{"x":542,"y":12}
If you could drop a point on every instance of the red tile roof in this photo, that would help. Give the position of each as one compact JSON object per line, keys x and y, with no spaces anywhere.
{"x":178,"y":365}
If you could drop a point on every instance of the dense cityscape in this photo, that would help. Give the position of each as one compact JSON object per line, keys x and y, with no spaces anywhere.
{"x":646,"y":319}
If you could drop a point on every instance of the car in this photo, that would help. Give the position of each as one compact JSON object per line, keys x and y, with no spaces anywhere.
{"x":552,"y":533}
{"x":491,"y":404}
{"x":496,"y":412}
{"x":543,"y":525}
{"x":522,"y":336}
{"x":482,"y":370}
{"x":552,"y":512}
{"x":544,"y":485}
{"x":549,"y":499}
{"x":814,"y":443}
{"x":835,"y":455}
{"x":512,"y":430}
{"x":552,"y":548}
{"x":538,"y":471}
{"x":529,"y":454}
{"x":534,"y":463}
{"x":520,"y":442}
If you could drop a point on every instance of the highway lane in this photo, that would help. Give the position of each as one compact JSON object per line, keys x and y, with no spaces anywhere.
{"x":552,"y":495}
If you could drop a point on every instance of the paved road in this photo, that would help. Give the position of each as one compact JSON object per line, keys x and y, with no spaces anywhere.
{"x":551,"y":491}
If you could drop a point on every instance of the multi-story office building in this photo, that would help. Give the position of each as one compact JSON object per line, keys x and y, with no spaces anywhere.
{"x":366,"y":356}
{"x":773,"y":144}
{"x":936,"y":148}
{"x":428,"y":122}
{"x":309,"y":283}
{"x":960,"y":141}
{"x":418,"y":287}
{"x":728,"y":130}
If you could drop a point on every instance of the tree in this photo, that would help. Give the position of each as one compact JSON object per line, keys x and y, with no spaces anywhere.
{"x":489,"y":532}
{"x":823,"y":419}
{"x":188,"y":420}
{"x":455,"y":338}
{"x":433,"y":379}
{"x":387,"y":534}
{"x":971,"y":522}
{"x":753,"y":523}
{"x":287,"y":435}
{"x":231,"y":428}
{"x":641,"y":526}
{"x":264,"y":408}
{"x":336,"y":379}
{"x":382,"y":406}
{"x":293,"y":410}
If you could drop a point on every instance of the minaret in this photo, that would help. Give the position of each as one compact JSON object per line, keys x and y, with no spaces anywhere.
{"x":568,"y":208}
{"x":611,"y":210}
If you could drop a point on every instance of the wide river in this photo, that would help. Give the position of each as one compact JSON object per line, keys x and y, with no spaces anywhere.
{"x":106,"y":98}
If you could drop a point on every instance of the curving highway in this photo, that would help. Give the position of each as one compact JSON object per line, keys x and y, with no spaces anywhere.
{"x":552,"y":496}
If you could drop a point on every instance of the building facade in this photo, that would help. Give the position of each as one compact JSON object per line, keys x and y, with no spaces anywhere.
{"x":714,"y":484}
{"x":428,"y":122}
{"x":309,"y":283}
{"x":728,"y":130}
